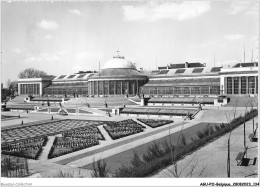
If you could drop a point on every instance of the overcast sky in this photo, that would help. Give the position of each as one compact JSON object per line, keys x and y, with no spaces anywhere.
{"x":63,"y":38}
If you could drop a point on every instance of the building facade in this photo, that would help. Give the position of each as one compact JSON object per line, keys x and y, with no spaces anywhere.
{"x":33,"y":86}
{"x":120,"y":77}
{"x":239,"y":80}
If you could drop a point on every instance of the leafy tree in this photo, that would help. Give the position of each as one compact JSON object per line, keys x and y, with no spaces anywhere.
{"x":31,"y":73}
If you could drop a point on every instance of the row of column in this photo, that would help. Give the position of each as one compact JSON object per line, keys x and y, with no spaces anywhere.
{"x":25,"y":89}
{"x":215,"y":90}
{"x":132,"y":87}
{"x":241,"y":85}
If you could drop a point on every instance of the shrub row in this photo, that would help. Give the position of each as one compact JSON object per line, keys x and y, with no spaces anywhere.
{"x":30,"y":154}
{"x":117,"y":132}
{"x":14,"y":167}
{"x":152,"y":166}
{"x":155,"y":122}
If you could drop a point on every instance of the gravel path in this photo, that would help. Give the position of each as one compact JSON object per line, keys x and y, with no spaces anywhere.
{"x":47,"y":148}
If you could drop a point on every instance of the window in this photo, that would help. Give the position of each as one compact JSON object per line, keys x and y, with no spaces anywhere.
{"x":204,"y":90}
{"x":236,"y":85}
{"x":251,"y":85}
{"x":118,"y":87}
{"x":106,"y":86}
{"x":81,"y":75}
{"x":229,"y":85}
{"x":180,"y":70}
{"x":71,"y":76}
{"x":215,"y":69}
{"x":62,"y":76}
{"x":112,"y":88}
{"x":197,"y":70}
{"x":163,"y":72}
{"x":243,"y":85}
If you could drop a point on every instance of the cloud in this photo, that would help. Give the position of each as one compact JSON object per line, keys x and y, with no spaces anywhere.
{"x":87,"y":55}
{"x":246,"y":7}
{"x":43,"y":57}
{"x":48,"y":25}
{"x":234,"y":36}
{"x":153,"y":11}
{"x":48,"y":36}
{"x":75,"y":12}
{"x":17,"y":51}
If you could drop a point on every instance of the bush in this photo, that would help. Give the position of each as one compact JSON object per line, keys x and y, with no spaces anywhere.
{"x":100,"y":169}
{"x":14,"y":167}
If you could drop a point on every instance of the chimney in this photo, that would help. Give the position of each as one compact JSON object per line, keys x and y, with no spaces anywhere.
{"x":186,"y":64}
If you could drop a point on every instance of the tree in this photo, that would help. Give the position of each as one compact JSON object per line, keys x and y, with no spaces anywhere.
{"x":11,"y":84}
{"x":31,"y":73}
{"x":228,"y":117}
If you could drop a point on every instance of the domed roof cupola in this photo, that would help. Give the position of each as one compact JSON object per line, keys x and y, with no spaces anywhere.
{"x":119,"y":62}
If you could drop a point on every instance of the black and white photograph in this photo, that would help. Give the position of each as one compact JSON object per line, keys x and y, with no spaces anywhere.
{"x":129,"y":93}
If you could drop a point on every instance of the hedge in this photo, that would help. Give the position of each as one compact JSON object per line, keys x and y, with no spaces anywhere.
{"x":157,"y":164}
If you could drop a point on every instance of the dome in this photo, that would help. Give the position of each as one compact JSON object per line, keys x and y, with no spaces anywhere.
{"x":119,"y":63}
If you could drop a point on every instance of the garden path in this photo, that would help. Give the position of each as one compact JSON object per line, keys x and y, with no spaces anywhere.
{"x":104,"y":133}
{"x":137,"y":121}
{"x":46,"y":148}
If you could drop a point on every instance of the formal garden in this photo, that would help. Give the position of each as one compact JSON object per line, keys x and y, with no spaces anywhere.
{"x":123,"y":128}
{"x":155,"y":122}
{"x":75,"y":140}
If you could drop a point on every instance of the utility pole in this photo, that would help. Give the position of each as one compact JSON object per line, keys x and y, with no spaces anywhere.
{"x":156,"y":63}
{"x":244,"y":53}
{"x":214,"y":59}
{"x":99,"y":68}
{"x":252,"y":55}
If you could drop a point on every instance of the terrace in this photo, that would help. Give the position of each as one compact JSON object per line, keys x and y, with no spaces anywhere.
{"x":159,"y":111}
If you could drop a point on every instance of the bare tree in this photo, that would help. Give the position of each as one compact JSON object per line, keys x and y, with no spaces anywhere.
{"x":31,"y":73}
{"x":251,"y":102}
{"x":228,"y":117}
{"x":192,"y":165}
{"x":189,"y":173}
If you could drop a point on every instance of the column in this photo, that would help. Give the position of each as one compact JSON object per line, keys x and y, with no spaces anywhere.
{"x":103,"y":88}
{"x":247,"y":90}
{"x":98,"y":88}
{"x":255,"y":85}
{"x":232,"y":85}
{"x":239,"y":85}
{"x":137,"y":87}
{"x":190,"y":90}
{"x":209,"y":90}
{"x":114,"y":87}
{"x":121,"y":87}
{"x":108,"y":87}
{"x":127,"y":85}
{"x":134,"y":88}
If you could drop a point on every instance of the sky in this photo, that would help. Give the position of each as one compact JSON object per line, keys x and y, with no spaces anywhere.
{"x":67,"y":37}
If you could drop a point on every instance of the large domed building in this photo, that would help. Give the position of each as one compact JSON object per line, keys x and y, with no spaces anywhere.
{"x":119,"y":76}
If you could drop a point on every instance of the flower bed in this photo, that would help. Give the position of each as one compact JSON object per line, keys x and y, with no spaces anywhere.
{"x":121,"y":129}
{"x":155,"y":122}
{"x":30,"y":148}
{"x":74,"y":140}
{"x":65,"y":145}
{"x":90,"y":131}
